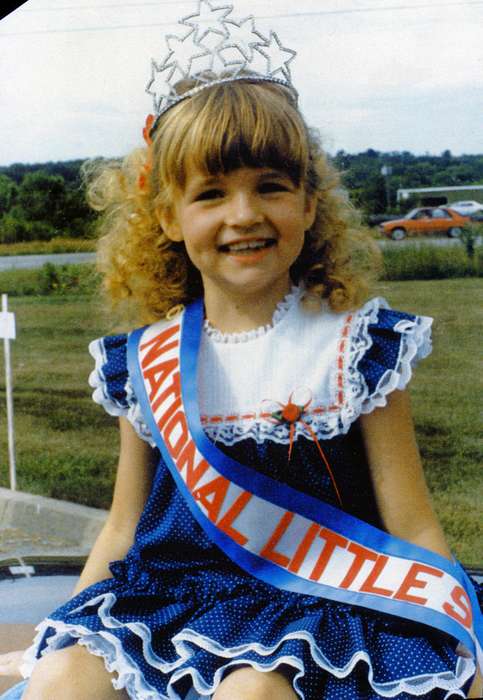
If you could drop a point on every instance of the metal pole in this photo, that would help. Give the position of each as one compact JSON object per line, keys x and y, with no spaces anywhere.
{"x":386,"y":170}
{"x":9,"y":395}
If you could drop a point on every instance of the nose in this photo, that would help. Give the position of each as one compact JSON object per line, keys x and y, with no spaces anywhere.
{"x":244,"y":210}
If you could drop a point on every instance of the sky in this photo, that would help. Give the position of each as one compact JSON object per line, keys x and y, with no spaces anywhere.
{"x":391,"y":75}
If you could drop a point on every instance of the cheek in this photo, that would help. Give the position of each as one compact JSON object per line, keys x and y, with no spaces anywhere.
{"x":198,"y":244}
{"x":191,"y":249}
{"x":294,"y":216}
{"x":295,"y":225}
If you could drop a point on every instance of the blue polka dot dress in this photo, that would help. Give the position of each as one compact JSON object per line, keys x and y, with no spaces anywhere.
{"x":178,"y":614}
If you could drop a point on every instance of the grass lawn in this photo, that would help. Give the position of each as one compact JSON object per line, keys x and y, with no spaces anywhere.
{"x":66,"y":445}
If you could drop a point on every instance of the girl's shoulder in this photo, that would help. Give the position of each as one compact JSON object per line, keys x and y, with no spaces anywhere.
{"x":110,"y":374}
{"x":111,"y":381}
{"x":112,"y":385}
{"x":390,"y":333}
{"x":385,"y":345}
{"x":374,"y":335}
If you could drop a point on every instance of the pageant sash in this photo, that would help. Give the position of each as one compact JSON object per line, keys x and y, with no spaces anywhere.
{"x":276,"y":533}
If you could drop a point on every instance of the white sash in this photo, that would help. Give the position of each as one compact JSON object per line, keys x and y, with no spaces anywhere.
{"x":276,"y":533}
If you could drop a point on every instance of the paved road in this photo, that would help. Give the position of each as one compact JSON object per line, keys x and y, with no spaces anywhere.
{"x":17,"y":262}
{"x":31,"y":261}
{"x":440,"y":242}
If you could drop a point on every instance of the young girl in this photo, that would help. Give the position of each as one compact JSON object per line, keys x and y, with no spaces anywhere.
{"x":271,"y":534}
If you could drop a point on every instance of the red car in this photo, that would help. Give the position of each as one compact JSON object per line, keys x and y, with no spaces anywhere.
{"x":425,"y":220}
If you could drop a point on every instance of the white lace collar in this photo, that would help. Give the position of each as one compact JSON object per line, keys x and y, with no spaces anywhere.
{"x":283,"y":307}
{"x":311,"y":355}
{"x":243,"y":386}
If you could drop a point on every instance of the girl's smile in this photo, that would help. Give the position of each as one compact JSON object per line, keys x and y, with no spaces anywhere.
{"x":248,"y":251}
{"x":242,"y":230}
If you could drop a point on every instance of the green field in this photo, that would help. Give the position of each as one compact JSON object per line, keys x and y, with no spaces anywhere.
{"x":66,"y":445}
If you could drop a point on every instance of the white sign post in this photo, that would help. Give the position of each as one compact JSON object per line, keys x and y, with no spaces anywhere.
{"x":7,"y":332}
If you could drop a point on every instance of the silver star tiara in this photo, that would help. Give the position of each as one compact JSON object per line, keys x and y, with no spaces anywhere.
{"x":216,"y":48}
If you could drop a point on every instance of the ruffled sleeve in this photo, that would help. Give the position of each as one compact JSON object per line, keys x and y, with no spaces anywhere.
{"x":388,"y":345}
{"x":112,"y":385}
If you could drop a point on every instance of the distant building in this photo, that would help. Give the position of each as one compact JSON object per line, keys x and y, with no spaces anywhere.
{"x":435,"y":196}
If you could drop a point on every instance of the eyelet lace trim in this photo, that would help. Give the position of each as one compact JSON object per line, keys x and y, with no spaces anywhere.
{"x":130,"y":409}
{"x":280,"y":312}
{"x":326,"y":424}
{"x":415,"y":345}
{"x":129,"y":676}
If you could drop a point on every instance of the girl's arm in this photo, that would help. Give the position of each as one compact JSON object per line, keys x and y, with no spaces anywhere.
{"x":397,"y":474}
{"x":133,"y":484}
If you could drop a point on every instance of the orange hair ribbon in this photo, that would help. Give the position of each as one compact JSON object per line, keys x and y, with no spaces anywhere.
{"x":147,"y":167}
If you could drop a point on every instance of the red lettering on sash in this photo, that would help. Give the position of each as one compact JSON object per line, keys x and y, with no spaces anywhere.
{"x":303,"y":548}
{"x":460,"y":597}
{"x":178,"y":419}
{"x":412,"y":581}
{"x":212,"y":495}
{"x":225,"y":524}
{"x":157,"y":345}
{"x":157,"y":374}
{"x":173,"y":389}
{"x":168,"y":413}
{"x":368,"y":585}
{"x":361,"y":555}
{"x":332,"y":540}
{"x":187,"y":459}
{"x":268,"y":550}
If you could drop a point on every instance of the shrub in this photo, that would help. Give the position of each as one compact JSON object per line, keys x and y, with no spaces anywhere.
{"x":470,"y":233}
{"x":15,"y":229}
{"x":55,"y":279}
{"x":426,"y":262}
{"x":50,"y":279}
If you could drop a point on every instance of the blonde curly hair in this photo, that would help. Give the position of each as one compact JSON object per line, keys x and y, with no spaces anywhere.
{"x":226,"y":126}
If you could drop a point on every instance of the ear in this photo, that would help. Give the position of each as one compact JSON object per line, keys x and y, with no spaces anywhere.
{"x":169,"y":224}
{"x":310,"y":211}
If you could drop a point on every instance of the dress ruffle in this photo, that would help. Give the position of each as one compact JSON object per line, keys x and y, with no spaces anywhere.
{"x":112,"y":385}
{"x":206,"y":624}
{"x":281,"y":310}
{"x":384,"y":347}
{"x":178,"y":614}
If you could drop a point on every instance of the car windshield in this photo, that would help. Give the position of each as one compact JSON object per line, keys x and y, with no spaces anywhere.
{"x":411,"y":214}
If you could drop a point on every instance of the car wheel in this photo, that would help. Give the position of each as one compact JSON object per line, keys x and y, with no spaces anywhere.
{"x":398,"y":234}
{"x":454,"y":232}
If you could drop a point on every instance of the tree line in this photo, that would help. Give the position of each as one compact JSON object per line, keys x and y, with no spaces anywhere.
{"x":43,"y":201}
{"x":375,"y":193}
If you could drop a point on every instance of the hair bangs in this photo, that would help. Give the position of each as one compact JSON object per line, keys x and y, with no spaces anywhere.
{"x":233,"y":125}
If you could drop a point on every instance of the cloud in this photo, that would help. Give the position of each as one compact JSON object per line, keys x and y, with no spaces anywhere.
{"x":368,"y":76}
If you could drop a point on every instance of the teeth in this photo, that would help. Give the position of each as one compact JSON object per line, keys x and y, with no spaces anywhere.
{"x":247,"y":245}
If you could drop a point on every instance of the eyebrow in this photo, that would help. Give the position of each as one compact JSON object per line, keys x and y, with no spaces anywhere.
{"x":275,"y":173}
{"x":201,"y":181}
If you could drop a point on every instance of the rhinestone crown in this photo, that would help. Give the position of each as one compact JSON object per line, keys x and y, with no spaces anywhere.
{"x":216,"y":48}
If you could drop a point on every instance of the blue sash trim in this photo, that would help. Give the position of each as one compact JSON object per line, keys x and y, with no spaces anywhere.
{"x":288,"y":498}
